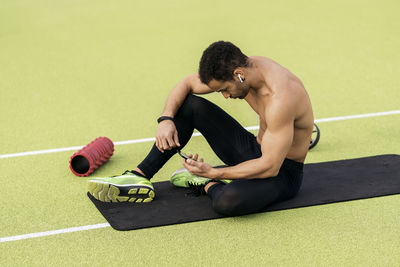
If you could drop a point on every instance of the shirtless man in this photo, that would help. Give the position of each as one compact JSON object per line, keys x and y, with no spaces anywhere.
{"x":260,"y":170}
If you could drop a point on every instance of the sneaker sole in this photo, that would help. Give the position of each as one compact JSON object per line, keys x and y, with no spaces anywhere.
{"x":106,"y":192}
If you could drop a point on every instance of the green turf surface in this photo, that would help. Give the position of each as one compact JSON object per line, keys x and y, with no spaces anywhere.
{"x":356,"y":233}
{"x":75,"y":70}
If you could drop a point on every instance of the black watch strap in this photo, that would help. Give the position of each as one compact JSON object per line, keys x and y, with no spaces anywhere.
{"x":163,"y":118}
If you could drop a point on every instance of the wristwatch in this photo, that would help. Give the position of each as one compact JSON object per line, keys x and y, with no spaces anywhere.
{"x":163,"y":118}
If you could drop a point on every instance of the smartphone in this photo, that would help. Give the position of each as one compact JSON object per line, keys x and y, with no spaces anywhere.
{"x":183,"y":155}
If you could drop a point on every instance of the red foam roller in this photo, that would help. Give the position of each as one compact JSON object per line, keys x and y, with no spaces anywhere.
{"x":92,"y":156}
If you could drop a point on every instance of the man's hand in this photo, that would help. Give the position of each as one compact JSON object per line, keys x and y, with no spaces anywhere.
{"x":199,"y":168}
{"x":167,"y":136}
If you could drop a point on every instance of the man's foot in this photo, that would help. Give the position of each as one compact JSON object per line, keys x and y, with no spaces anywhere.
{"x":127,"y":187}
{"x":183,"y":178}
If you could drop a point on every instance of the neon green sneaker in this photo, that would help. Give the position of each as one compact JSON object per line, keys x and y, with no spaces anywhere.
{"x":183,"y":178}
{"x":127,"y":187}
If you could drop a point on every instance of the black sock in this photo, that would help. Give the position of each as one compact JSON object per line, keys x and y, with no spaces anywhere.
{"x":138,"y":173}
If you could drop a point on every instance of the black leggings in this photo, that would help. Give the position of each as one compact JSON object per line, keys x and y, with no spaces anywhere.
{"x":232,"y":144}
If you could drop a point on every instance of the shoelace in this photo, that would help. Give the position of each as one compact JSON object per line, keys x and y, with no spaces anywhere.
{"x":197,"y":190}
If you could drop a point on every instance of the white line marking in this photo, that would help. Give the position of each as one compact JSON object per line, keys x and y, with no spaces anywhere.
{"x":152,"y":139}
{"x":103,"y":225}
{"x":54,"y":232}
{"x":352,"y":117}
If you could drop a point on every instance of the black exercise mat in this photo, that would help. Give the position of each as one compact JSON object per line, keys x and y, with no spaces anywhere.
{"x":323,"y":183}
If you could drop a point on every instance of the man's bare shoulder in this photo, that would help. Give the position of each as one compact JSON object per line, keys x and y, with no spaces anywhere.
{"x":265,"y":61}
{"x":289,"y":97}
{"x":282,"y":104}
{"x":271,"y":67}
{"x":260,"y":58}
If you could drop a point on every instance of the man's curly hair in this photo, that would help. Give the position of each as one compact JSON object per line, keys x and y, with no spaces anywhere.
{"x":219,"y":61}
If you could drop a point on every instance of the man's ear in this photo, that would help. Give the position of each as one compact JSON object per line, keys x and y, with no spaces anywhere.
{"x":238,"y":71}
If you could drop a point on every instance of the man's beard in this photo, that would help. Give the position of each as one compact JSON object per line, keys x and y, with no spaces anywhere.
{"x":245,"y":92}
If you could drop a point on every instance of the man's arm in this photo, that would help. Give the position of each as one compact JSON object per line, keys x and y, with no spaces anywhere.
{"x":189,"y":85}
{"x":275,"y":145}
{"x":167,"y":135}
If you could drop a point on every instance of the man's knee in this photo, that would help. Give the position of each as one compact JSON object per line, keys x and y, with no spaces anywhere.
{"x":229,"y":203}
{"x":194,"y":103}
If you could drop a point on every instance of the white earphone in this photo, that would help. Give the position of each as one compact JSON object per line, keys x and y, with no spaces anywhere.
{"x":240,"y":78}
